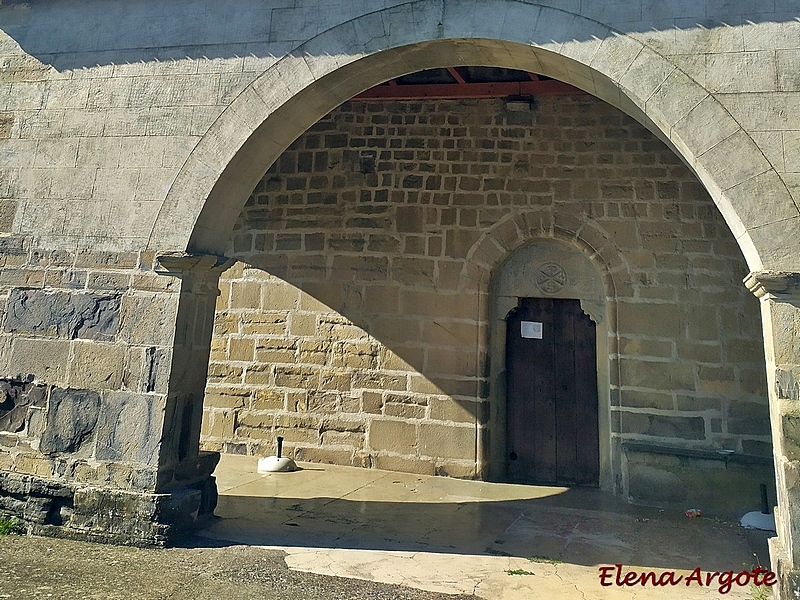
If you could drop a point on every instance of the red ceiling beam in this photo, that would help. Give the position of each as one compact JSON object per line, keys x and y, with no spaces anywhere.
{"x":452,"y":91}
{"x":455,"y":75}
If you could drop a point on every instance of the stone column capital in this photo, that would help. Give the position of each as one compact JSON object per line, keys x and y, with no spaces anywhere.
{"x":781,"y":286}
{"x":178,"y":263}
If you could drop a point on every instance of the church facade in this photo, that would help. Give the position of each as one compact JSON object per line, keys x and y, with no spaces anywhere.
{"x":213,"y":235}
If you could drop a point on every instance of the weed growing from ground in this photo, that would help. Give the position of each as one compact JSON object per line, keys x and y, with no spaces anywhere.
{"x":10,"y":526}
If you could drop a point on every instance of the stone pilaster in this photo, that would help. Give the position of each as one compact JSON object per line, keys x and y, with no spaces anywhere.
{"x":779,"y":293}
{"x":180,"y":462}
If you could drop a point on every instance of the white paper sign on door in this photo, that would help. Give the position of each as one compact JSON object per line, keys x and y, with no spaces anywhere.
{"x":532,"y":330}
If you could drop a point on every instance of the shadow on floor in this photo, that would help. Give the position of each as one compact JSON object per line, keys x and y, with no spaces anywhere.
{"x":581,"y":527}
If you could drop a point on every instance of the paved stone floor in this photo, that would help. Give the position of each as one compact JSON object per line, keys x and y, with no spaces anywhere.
{"x":496,"y":541}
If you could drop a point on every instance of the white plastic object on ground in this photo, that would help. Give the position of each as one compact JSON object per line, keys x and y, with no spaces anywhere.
{"x":758,"y":520}
{"x":273,"y":464}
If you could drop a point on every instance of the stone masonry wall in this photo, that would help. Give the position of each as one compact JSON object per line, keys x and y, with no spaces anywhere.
{"x":102,"y":358}
{"x":354,"y":323}
{"x":79,"y":381}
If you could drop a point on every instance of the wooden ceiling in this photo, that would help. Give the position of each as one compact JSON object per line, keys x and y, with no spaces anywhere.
{"x":467,"y":82}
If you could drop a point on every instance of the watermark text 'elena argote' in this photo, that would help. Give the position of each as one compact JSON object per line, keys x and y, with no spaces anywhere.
{"x":611,"y":575}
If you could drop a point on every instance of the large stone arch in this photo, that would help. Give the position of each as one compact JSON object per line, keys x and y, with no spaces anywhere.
{"x":204,"y":200}
{"x":287,"y":98}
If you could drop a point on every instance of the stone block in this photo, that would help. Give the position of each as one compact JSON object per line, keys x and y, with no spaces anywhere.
{"x":262,"y":324}
{"x":709,"y":352}
{"x":698,"y":403}
{"x":450,"y":361}
{"x":339,"y":328}
{"x":224,"y":373}
{"x":395,"y":436}
{"x":334,"y":380}
{"x":33,"y":465}
{"x":748,"y":418}
{"x":459,"y":242}
{"x":636,"y":399}
{"x":372,"y":402}
{"x":331,"y":456}
{"x":355,"y":355}
{"x":255,"y":420}
{"x":405,"y":411}
{"x":96,"y":365}
{"x":313,"y":351}
{"x":378,"y":381}
{"x":275,"y":350}
{"x":229,"y":398}
{"x":70,"y":421}
{"x":401,"y":359}
{"x":448,"y":333}
{"x":297,"y":420}
{"x":302,"y":324}
{"x":296,"y":377}
{"x":654,"y":485}
{"x":246,"y":294}
{"x":646,"y":347}
{"x":280,"y":296}
{"x":423,"y":385}
{"x":225,"y":324}
{"x":657,"y":375}
{"x":392,"y":330}
{"x":458,"y":470}
{"x":222,"y":425}
{"x":657,"y":320}
{"x":62,"y":314}
{"x":688,"y":428}
{"x":343,"y":438}
{"x":129,"y":428}
{"x":258,"y":374}
{"x":241,"y":349}
{"x":452,"y":386}
{"x":298,"y":435}
{"x":433,"y":304}
{"x":322,"y":402}
{"x":46,"y":360}
{"x":443,"y":441}
{"x":346,"y":424}
{"x":148,"y":319}
{"x":404,"y":464}
{"x":267,"y":400}
{"x":17,"y":397}
{"x":447,"y":409}
{"x":105,"y":280}
{"x":702,"y":322}
{"x":321,"y":296}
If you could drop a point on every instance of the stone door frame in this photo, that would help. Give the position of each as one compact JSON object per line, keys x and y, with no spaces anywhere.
{"x":516,"y":278}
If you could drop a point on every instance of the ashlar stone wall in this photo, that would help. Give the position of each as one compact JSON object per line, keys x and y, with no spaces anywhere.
{"x":355,"y":320}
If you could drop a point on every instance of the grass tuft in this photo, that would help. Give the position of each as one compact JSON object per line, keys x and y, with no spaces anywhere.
{"x":11,"y":526}
{"x":519,"y":572}
{"x":545,"y":559}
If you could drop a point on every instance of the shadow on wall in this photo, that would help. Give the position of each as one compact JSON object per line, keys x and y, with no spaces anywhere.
{"x":340,"y":358}
{"x":75,"y":35}
{"x":368,"y":322}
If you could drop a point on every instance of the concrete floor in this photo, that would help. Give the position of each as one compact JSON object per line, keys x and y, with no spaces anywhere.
{"x":498,"y":541}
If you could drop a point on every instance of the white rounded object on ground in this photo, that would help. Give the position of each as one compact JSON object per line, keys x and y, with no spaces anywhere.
{"x":273,"y":464}
{"x":758,"y":520}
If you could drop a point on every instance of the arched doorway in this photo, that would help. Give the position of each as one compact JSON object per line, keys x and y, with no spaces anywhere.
{"x":551,"y":379}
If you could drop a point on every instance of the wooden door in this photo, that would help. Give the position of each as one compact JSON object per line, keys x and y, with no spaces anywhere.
{"x":551,"y":417}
